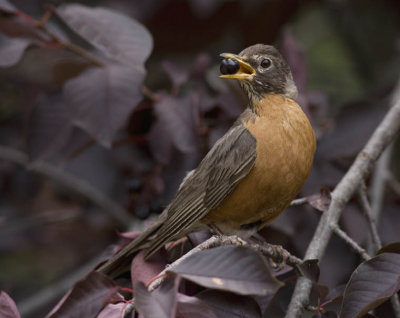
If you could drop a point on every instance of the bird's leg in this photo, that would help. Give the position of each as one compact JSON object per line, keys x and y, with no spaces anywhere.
{"x":216,"y":229}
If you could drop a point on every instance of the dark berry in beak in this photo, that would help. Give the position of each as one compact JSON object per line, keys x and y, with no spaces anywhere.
{"x":229,"y":66}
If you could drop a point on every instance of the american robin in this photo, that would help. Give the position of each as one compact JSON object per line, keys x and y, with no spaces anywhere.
{"x":252,"y":173}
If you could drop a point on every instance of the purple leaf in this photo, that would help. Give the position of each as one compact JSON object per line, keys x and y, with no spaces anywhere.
{"x":101,"y":99}
{"x":144,"y":270}
{"x":176,"y":117}
{"x":161,"y":143}
{"x":320,"y":201}
{"x":371,"y":284}
{"x":177,"y":74}
{"x":86,"y":298}
{"x":6,"y":6}
{"x":12,"y":49}
{"x":192,"y":307}
{"x":8,"y":309}
{"x":159,"y":304}
{"x":113,"y":311}
{"x":117,"y":36}
{"x":49,"y":127}
{"x":230,"y":268}
{"x":390,"y":248}
{"x":227,"y":304}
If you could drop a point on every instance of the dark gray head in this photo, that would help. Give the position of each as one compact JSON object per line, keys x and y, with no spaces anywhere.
{"x":261,"y":70}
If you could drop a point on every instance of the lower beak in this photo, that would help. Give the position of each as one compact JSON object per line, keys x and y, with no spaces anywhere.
{"x":245,"y":70}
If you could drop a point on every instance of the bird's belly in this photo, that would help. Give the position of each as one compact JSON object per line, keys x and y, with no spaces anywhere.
{"x":282,"y":165}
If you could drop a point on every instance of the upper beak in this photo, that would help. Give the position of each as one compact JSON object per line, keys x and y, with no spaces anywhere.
{"x":245,"y":70}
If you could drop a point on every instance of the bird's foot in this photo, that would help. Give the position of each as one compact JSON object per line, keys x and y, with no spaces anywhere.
{"x":279,"y":262}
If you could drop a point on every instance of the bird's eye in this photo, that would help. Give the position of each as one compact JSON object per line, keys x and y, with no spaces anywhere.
{"x":266,"y":63}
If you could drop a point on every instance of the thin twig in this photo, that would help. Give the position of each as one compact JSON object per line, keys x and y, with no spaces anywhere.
{"x":376,"y":241}
{"x":276,"y":253}
{"x":344,"y":191}
{"x":379,"y":183}
{"x":41,"y":25}
{"x":300,"y":201}
{"x":79,"y":186}
{"x":353,"y":244}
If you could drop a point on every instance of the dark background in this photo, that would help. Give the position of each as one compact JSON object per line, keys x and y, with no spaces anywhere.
{"x":345,"y":59}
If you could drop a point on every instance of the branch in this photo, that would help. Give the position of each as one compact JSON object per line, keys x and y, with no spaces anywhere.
{"x":69,"y":181}
{"x":344,"y":191}
{"x":353,"y":244}
{"x":376,"y":241}
{"x":277,"y":253}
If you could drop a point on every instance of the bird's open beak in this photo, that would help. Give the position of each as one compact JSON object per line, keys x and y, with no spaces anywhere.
{"x":245,"y":70}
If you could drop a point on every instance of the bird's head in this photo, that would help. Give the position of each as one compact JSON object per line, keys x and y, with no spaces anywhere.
{"x":261,"y":70}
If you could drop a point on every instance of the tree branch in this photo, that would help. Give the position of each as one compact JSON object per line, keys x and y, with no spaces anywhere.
{"x":69,"y":181}
{"x":344,"y":191}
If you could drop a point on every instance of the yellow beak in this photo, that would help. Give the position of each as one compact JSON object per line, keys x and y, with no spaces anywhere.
{"x":245,"y":70}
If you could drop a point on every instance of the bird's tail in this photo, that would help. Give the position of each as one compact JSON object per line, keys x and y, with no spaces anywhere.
{"x":121,"y":261}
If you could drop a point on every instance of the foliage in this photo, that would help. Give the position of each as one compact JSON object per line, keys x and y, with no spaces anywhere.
{"x":80,"y":93}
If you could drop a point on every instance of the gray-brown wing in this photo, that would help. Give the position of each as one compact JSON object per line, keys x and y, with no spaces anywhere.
{"x":228,"y":162}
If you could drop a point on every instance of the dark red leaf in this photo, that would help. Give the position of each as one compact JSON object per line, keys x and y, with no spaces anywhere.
{"x":117,"y":36}
{"x":192,"y":307}
{"x":159,"y":304}
{"x":310,"y":269}
{"x":226,"y":304}
{"x":230,"y":268}
{"x":8,"y":309}
{"x":371,"y":284}
{"x":144,"y":270}
{"x":86,"y":298}
{"x":101,"y":98}
{"x":12,"y":50}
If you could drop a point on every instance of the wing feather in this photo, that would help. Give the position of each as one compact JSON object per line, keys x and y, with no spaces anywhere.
{"x":228,"y":162}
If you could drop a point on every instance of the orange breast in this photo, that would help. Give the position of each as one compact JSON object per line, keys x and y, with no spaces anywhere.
{"x":285,"y":151}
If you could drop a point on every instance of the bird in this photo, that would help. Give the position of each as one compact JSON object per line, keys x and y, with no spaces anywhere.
{"x":251,"y":174}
